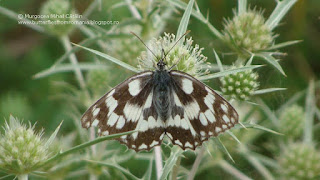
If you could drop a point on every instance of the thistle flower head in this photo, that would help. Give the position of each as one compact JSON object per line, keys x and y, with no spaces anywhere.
{"x":292,"y":121}
{"x":248,"y":31}
{"x":240,"y":85}
{"x":21,"y":148}
{"x":183,"y":56}
{"x":56,"y":10}
{"x":300,"y":161}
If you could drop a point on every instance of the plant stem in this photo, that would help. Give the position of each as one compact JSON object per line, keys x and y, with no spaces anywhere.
{"x":81,"y":146}
{"x":134,"y":11}
{"x":73,"y":59}
{"x":23,"y":177}
{"x":232,"y":170}
{"x":196,"y":163}
{"x":310,"y":111}
{"x":175,"y":169}
{"x":158,"y":158}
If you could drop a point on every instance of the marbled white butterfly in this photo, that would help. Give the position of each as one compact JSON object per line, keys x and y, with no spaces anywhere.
{"x":161,"y":103}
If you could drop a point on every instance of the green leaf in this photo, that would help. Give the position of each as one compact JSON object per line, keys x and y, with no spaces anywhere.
{"x":242,"y":6}
{"x":218,"y":61}
{"x":148,"y":174}
{"x":221,"y":146}
{"x":284,"y":44}
{"x":176,"y":152}
{"x":53,"y":136}
{"x":268,"y":90}
{"x":184,"y":21}
{"x":234,"y":137}
{"x":68,"y":68}
{"x":270,"y":114}
{"x":197,"y":14}
{"x":279,"y":12}
{"x":270,"y":59}
{"x":256,"y":126}
{"x":114,"y":165}
{"x":227,"y":72}
{"x":110,"y":58}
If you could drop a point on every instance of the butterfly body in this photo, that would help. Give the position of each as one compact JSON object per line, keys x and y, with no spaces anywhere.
{"x":158,"y":103}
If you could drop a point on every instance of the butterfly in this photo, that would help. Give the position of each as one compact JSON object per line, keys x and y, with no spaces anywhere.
{"x":161,"y":103}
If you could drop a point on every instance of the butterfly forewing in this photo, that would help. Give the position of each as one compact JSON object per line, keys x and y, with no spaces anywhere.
{"x":205,"y":113}
{"x":125,"y":108}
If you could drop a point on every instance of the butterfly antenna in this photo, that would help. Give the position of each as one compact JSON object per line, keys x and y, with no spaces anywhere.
{"x":143,"y":43}
{"x":187,"y":32}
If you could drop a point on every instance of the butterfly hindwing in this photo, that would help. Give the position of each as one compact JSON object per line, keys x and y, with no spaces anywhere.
{"x":203,"y":113}
{"x":128,"y":107}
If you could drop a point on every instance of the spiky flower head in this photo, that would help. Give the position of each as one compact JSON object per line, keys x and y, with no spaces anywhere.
{"x":300,"y":161}
{"x":56,"y":12}
{"x":292,"y":121}
{"x":183,"y":56}
{"x":248,"y":32}
{"x":240,"y":85}
{"x":21,"y":148}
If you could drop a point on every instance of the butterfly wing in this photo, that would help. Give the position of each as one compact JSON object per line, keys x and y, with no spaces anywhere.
{"x":202,"y":112}
{"x":128,"y":107}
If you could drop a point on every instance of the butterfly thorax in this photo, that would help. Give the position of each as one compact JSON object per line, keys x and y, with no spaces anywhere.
{"x":161,"y":93}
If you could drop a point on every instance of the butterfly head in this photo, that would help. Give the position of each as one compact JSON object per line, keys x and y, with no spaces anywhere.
{"x":161,"y":64}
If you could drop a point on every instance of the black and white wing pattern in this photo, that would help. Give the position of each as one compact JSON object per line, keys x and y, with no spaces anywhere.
{"x":199,"y":112}
{"x":128,"y":107}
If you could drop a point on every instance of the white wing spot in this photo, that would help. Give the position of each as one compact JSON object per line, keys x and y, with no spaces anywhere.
{"x":218,"y":129}
{"x":105,"y":133}
{"x":184,"y":124}
{"x":148,"y":102}
{"x":123,"y":137}
{"x":187,"y":86}
{"x":203,"y":119}
{"x":171,"y":121}
{"x":188,"y":145}
{"x":134,"y":87}
{"x":202,"y":133}
{"x":210,"y":116}
{"x":112,"y":104}
{"x":95,"y":122}
{"x":232,"y":120}
{"x":192,"y":110}
{"x":112,"y":119}
{"x":176,"y":99}
{"x":143,"y":146}
{"x":133,"y":146}
{"x":143,"y":126}
{"x":209,"y":99}
{"x":224,"y":108}
{"x":154,"y":142}
{"x":111,"y":92}
{"x":134,"y":135}
{"x":131,"y":112}
{"x":151,"y":122}
{"x":224,"y":126}
{"x":162,"y":135}
{"x":178,"y":142}
{"x":120,"y":122}
{"x":225,"y":118}
{"x":96,"y":112}
{"x":87,"y":124}
{"x":210,"y":133}
{"x":169,"y":135}
{"x":196,"y":143}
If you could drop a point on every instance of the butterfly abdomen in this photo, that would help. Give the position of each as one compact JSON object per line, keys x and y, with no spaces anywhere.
{"x":162,"y":89}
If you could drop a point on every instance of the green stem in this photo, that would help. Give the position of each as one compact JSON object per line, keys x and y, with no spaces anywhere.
{"x":23,"y":177}
{"x":196,"y":164}
{"x":310,"y":111}
{"x":82,"y":146}
{"x":232,"y":170}
{"x":175,"y":169}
